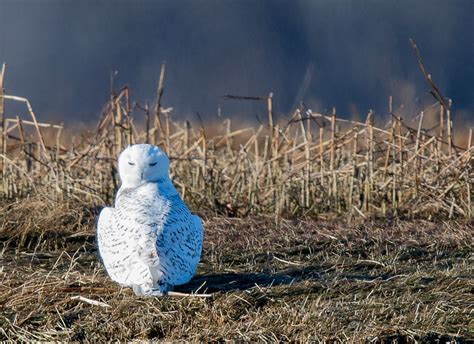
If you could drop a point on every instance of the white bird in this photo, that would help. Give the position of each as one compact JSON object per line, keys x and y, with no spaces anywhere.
{"x":150,"y":241}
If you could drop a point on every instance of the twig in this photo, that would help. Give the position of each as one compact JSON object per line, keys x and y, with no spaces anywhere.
{"x":178,"y":294}
{"x":89,"y":301}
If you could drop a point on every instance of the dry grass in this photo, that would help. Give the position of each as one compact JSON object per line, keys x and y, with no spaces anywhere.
{"x":36,"y":223}
{"x":309,"y":164}
{"x":327,"y":277}
{"x":295,"y":280}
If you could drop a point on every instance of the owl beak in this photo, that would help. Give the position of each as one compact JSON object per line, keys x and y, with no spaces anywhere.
{"x":141,"y":176}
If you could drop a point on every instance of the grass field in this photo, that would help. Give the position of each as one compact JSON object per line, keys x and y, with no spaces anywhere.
{"x":293,"y":280}
{"x":316,"y":228}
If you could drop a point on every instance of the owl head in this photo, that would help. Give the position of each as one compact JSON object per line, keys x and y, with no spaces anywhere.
{"x":142,"y":163}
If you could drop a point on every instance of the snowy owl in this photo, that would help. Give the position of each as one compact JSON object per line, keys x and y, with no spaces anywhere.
{"x":150,"y":241}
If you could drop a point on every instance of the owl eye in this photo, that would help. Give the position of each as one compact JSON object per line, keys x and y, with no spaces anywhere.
{"x":131,"y":163}
{"x":153,"y":164}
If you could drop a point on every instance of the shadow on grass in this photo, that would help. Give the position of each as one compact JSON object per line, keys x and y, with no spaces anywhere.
{"x":225,"y":282}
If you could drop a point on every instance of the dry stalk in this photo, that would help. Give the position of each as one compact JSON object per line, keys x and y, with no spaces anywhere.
{"x":228,"y":170}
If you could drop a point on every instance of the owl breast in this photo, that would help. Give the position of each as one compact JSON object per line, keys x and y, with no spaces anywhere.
{"x":154,"y":237}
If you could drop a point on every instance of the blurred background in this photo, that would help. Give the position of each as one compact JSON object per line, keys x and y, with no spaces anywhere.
{"x":348,"y":54}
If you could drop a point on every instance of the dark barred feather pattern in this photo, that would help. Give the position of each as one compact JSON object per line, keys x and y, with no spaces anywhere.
{"x":150,"y":241}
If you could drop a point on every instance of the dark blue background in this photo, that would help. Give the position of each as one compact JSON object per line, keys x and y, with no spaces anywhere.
{"x":351,"y":54}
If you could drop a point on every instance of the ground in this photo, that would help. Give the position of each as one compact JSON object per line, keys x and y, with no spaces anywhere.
{"x":270,"y":280}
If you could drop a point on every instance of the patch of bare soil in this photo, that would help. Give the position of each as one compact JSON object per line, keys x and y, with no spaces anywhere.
{"x":270,"y":281}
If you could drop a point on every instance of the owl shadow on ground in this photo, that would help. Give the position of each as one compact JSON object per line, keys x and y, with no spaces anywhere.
{"x":226,"y":282}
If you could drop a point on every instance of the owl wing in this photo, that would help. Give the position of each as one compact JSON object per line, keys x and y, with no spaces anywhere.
{"x":199,"y":233}
{"x":179,"y":245}
{"x":104,"y":229}
{"x":111,"y":246}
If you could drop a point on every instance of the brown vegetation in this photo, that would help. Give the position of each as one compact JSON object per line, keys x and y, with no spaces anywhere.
{"x":284,"y":268}
{"x":294,"y":280}
{"x":311,"y":165}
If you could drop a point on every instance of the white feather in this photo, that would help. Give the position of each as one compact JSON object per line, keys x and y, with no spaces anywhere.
{"x":150,"y":241}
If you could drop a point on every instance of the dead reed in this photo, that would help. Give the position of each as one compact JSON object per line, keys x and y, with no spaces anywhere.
{"x":310,"y":165}
{"x":271,"y":279}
